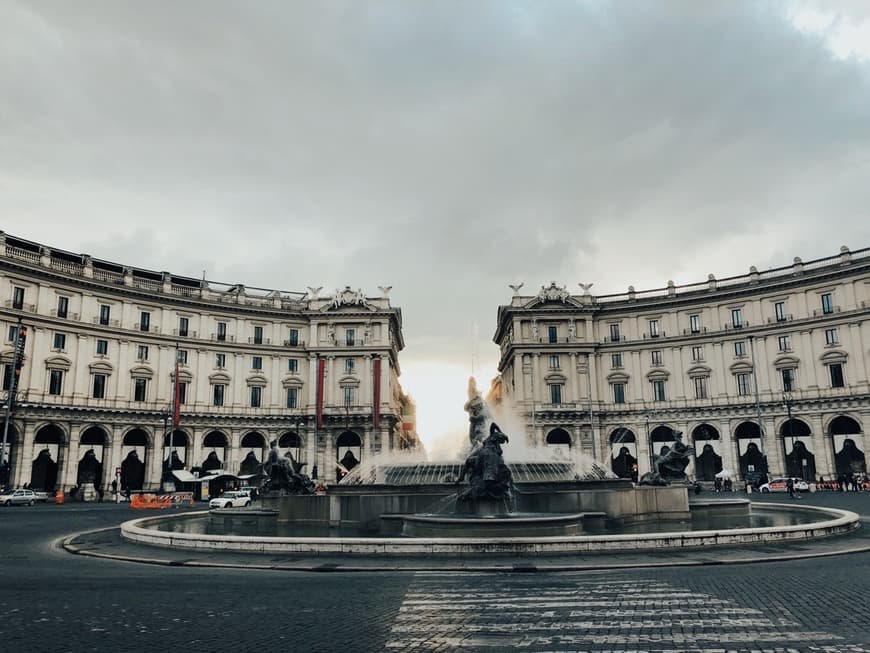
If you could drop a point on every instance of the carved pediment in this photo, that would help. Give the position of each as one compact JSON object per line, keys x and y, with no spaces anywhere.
{"x":617,"y":377}
{"x":658,"y":375}
{"x":141,"y":372}
{"x":348,"y":298}
{"x":699,"y":371}
{"x":58,"y":363}
{"x":101,"y":367}
{"x":292,"y":382}
{"x":219,"y":377}
{"x":784,"y":362}
{"x":553,"y":294}
{"x":257,"y":379}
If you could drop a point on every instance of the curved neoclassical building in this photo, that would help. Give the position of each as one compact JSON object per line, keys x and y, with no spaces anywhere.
{"x":97,"y":384}
{"x":769,"y":364}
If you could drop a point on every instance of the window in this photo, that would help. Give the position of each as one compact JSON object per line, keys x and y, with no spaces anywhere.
{"x":695,"y":323}
{"x":183,"y":324}
{"x":105,"y":311}
{"x":698,"y":353}
{"x":60,"y":341}
{"x":658,"y":388}
{"x":292,"y":397}
{"x":18,"y":297}
{"x":220,"y":360}
{"x":182,"y":356}
{"x":831,"y":337}
{"x":221,"y":331}
{"x":618,"y":393}
{"x":258,"y":335}
{"x":99,"y":386}
{"x":348,"y":396}
{"x":555,"y":393}
{"x":293,"y":365}
{"x":294,"y":337}
{"x":13,"y":333}
{"x":7,"y":376}
{"x":554,"y":361}
{"x":62,"y":306}
{"x":182,"y":392}
{"x":348,"y":365}
{"x":349,"y":337}
{"x":102,"y":347}
{"x":615,"y":360}
{"x":656,"y":357}
{"x":55,"y":382}
{"x":740,"y":348}
{"x":779,"y":311}
{"x":742,"y":383}
{"x":140,"y":389}
{"x":218,"y":394}
{"x":785,"y":343}
{"x":257,"y":363}
{"x":614,"y":333}
{"x":737,"y":317}
{"x":787,"y":379}
{"x":144,"y":321}
{"x":836,"y":371}
{"x":653,"y":328}
{"x":700,"y":387}
{"x":552,"y":334}
{"x":827,"y":303}
{"x":142,"y":353}
{"x":256,"y":396}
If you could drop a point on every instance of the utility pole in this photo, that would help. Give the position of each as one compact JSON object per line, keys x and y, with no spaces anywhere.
{"x":17,"y":364}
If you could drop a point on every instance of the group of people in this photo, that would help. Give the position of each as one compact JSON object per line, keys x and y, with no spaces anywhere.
{"x":845,"y":483}
{"x":723,"y":485}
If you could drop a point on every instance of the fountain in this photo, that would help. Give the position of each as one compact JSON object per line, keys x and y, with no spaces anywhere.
{"x":482,"y":506}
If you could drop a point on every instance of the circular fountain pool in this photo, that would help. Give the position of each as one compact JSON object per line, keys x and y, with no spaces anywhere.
{"x":766,"y":523}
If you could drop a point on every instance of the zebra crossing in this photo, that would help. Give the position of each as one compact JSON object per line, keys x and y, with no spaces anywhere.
{"x":479,"y":612}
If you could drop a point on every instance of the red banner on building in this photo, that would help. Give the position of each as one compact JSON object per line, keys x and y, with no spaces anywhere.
{"x":321,"y":373}
{"x":176,"y":408}
{"x":376,"y":391}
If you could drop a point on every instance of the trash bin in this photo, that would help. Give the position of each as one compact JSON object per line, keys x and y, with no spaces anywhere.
{"x":58,"y":496}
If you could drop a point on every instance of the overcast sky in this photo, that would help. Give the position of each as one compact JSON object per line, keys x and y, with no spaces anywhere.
{"x":444,"y":148}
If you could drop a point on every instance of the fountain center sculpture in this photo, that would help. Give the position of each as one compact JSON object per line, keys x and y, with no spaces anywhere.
{"x":670,"y":464}
{"x":285,"y":476}
{"x":489,"y":479}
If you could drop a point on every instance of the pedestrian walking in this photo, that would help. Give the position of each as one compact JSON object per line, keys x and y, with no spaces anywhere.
{"x":100,"y":492}
{"x":790,"y":487}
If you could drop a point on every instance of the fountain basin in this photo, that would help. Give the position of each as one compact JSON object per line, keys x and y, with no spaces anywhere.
{"x":820,"y":523}
{"x":513,"y":525}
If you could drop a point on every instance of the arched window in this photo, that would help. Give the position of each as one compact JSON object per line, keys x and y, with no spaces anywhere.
{"x":623,"y":453}
{"x":708,"y":455}
{"x":848,"y":443}
{"x":348,"y":450}
{"x":794,"y":428}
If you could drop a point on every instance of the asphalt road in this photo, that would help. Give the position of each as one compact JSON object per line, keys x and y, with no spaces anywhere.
{"x":51,"y":600}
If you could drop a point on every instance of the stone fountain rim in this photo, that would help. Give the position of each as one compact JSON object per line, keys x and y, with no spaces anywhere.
{"x":842,"y":521}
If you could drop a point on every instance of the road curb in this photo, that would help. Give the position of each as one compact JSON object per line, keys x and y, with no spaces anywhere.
{"x":67,"y":544}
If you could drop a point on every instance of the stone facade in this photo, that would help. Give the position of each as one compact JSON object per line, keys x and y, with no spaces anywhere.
{"x":614,"y":376}
{"x":99,"y":370}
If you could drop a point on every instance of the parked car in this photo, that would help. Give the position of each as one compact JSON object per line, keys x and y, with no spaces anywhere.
{"x":230,"y":500}
{"x":251,"y":491}
{"x":18,"y":497}
{"x":781,"y":485}
{"x":42,"y":496}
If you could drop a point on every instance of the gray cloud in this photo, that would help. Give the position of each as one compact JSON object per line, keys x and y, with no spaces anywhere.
{"x":445,"y":148}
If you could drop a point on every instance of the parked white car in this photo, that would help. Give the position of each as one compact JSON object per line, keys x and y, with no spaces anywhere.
{"x":781,"y":485}
{"x":230,"y":500}
{"x":18,"y":497}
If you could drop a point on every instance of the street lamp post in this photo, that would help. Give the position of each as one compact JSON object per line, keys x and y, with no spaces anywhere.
{"x":167,"y":472}
{"x":787,"y":399}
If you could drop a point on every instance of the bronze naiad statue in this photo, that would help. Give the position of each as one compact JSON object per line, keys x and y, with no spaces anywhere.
{"x":670,"y":464}
{"x":284,"y":474}
{"x":488,"y":476}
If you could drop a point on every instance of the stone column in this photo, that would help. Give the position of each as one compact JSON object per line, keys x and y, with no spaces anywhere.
{"x":71,"y":462}
{"x":859,"y":373}
{"x":809,"y":357}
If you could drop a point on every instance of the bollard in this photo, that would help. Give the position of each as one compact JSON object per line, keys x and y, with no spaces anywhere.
{"x":58,"y":496}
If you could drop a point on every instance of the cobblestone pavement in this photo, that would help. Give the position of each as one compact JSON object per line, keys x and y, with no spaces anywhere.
{"x":53,"y":601}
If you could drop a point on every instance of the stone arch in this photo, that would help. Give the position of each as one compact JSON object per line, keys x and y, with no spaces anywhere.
{"x":92,"y":447}
{"x":660,"y":437}
{"x":623,"y":453}
{"x":175,"y":449}
{"x":348,"y":453}
{"x":847,"y":440}
{"x":750,"y":451}
{"x":708,"y":453}
{"x":800,"y":461}
{"x":216,"y":442}
{"x":252,"y":446}
{"x":44,"y":469}
{"x":558,"y":441}
{"x":291,"y":442}
{"x":134,"y":457}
